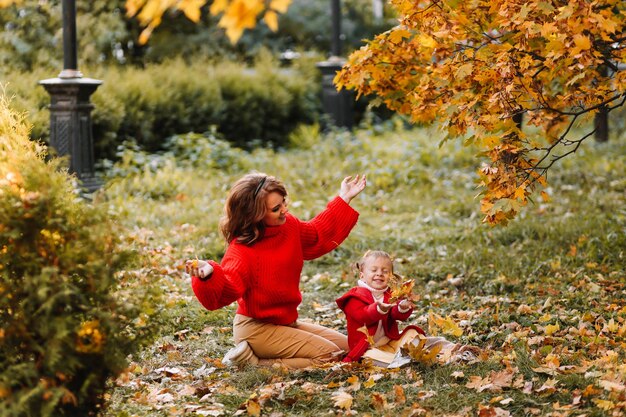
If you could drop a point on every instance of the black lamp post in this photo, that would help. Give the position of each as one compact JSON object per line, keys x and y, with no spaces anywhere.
{"x":337,"y":104}
{"x":70,"y":108}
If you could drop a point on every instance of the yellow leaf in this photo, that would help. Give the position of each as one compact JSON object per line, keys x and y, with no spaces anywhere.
{"x":552,"y":328}
{"x":463,"y":71}
{"x":271,"y":20}
{"x":132,"y":6}
{"x":582,"y":42}
{"x":240,"y":15}
{"x":342,"y":400}
{"x":612,"y":326}
{"x":218,"y":6}
{"x":354,"y":382}
{"x":191,"y":9}
{"x":280,"y":5}
{"x":400,"y":289}
{"x":520,"y":193}
{"x":447,"y":325}
{"x":253,"y":407}
{"x":419,"y":353}
{"x":367,"y":334}
{"x":397,"y":35}
{"x":545,"y":318}
{"x":426,"y":41}
{"x":548,"y":29}
{"x":605,"y":405}
{"x":367,"y":384}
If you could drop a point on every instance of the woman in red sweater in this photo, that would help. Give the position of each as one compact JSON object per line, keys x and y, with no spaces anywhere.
{"x":261,"y":271}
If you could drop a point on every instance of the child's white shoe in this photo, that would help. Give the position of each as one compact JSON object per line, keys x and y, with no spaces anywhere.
{"x":240,"y":355}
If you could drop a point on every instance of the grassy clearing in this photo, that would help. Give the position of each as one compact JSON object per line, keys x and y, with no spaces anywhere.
{"x":544,"y":296}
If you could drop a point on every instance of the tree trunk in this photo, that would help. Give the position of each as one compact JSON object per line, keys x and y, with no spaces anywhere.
{"x":601,"y":124}
{"x":601,"y":120}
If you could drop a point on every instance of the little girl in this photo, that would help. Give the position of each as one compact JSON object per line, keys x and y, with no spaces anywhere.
{"x":368,"y":306}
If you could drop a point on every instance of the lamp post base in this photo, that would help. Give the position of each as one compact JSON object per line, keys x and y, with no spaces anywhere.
{"x":337,"y":104}
{"x":70,"y":124}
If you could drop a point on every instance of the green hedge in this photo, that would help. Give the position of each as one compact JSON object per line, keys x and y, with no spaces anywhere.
{"x":258,"y":105}
{"x":69,"y":313}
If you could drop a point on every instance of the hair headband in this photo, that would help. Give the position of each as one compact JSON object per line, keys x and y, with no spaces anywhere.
{"x":258,"y":187}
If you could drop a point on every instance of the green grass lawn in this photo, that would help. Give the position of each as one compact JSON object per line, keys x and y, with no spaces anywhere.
{"x":544,"y":297}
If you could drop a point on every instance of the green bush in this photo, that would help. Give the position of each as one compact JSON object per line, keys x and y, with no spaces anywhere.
{"x":263,"y":105}
{"x":249,"y":106}
{"x":69,"y":314}
{"x":150,"y":104}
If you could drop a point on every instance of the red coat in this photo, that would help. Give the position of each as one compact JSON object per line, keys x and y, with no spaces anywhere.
{"x":360,"y":308}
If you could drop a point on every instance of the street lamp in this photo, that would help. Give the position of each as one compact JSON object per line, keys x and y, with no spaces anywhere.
{"x":70,"y":108}
{"x":337,"y":104}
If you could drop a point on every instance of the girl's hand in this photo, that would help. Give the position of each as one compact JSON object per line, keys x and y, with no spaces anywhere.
{"x":351,"y":187}
{"x":198,"y":268}
{"x":383,"y":308}
{"x":405,"y":305}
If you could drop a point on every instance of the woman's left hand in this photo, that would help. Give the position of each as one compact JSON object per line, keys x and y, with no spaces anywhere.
{"x":351,"y":187}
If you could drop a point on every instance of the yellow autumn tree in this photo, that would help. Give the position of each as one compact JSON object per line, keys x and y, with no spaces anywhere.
{"x":478,"y":66}
{"x":236,"y":15}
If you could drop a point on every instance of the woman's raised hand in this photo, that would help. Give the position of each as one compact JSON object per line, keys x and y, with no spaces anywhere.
{"x":351,"y":186}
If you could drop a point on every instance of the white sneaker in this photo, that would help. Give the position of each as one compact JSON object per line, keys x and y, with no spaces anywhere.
{"x":240,"y":354}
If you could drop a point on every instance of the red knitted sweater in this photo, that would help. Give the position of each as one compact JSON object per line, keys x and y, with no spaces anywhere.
{"x":264,"y":278}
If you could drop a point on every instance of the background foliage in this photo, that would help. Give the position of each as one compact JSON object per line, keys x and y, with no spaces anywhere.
{"x":248,"y":105}
{"x":69,"y":314}
{"x":32,"y":34}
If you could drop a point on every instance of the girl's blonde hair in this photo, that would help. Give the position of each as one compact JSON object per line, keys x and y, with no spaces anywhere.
{"x":372,"y":254}
{"x":245,"y":207}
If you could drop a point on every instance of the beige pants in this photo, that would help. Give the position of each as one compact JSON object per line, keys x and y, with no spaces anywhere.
{"x":299,"y":345}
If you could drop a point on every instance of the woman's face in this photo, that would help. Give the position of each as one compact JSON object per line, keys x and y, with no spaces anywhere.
{"x":376,"y":272}
{"x":275,"y":209}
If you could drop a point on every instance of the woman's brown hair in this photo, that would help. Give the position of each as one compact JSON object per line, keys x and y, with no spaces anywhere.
{"x":245,"y":207}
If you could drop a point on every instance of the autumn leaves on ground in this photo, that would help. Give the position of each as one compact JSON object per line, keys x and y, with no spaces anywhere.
{"x":542,"y":297}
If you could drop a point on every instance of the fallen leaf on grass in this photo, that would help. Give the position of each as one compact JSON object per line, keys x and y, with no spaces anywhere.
{"x":252,"y":406}
{"x":420,"y":354}
{"x":371,"y":381}
{"x":342,"y":400}
{"x":311,"y":388}
{"x":379,"y":402}
{"x":446,"y":325}
{"x":548,"y":387}
{"x":354,"y":383}
{"x":495,"y":381}
{"x":615,"y":385}
{"x":399,"y":393}
{"x":488,"y":411}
